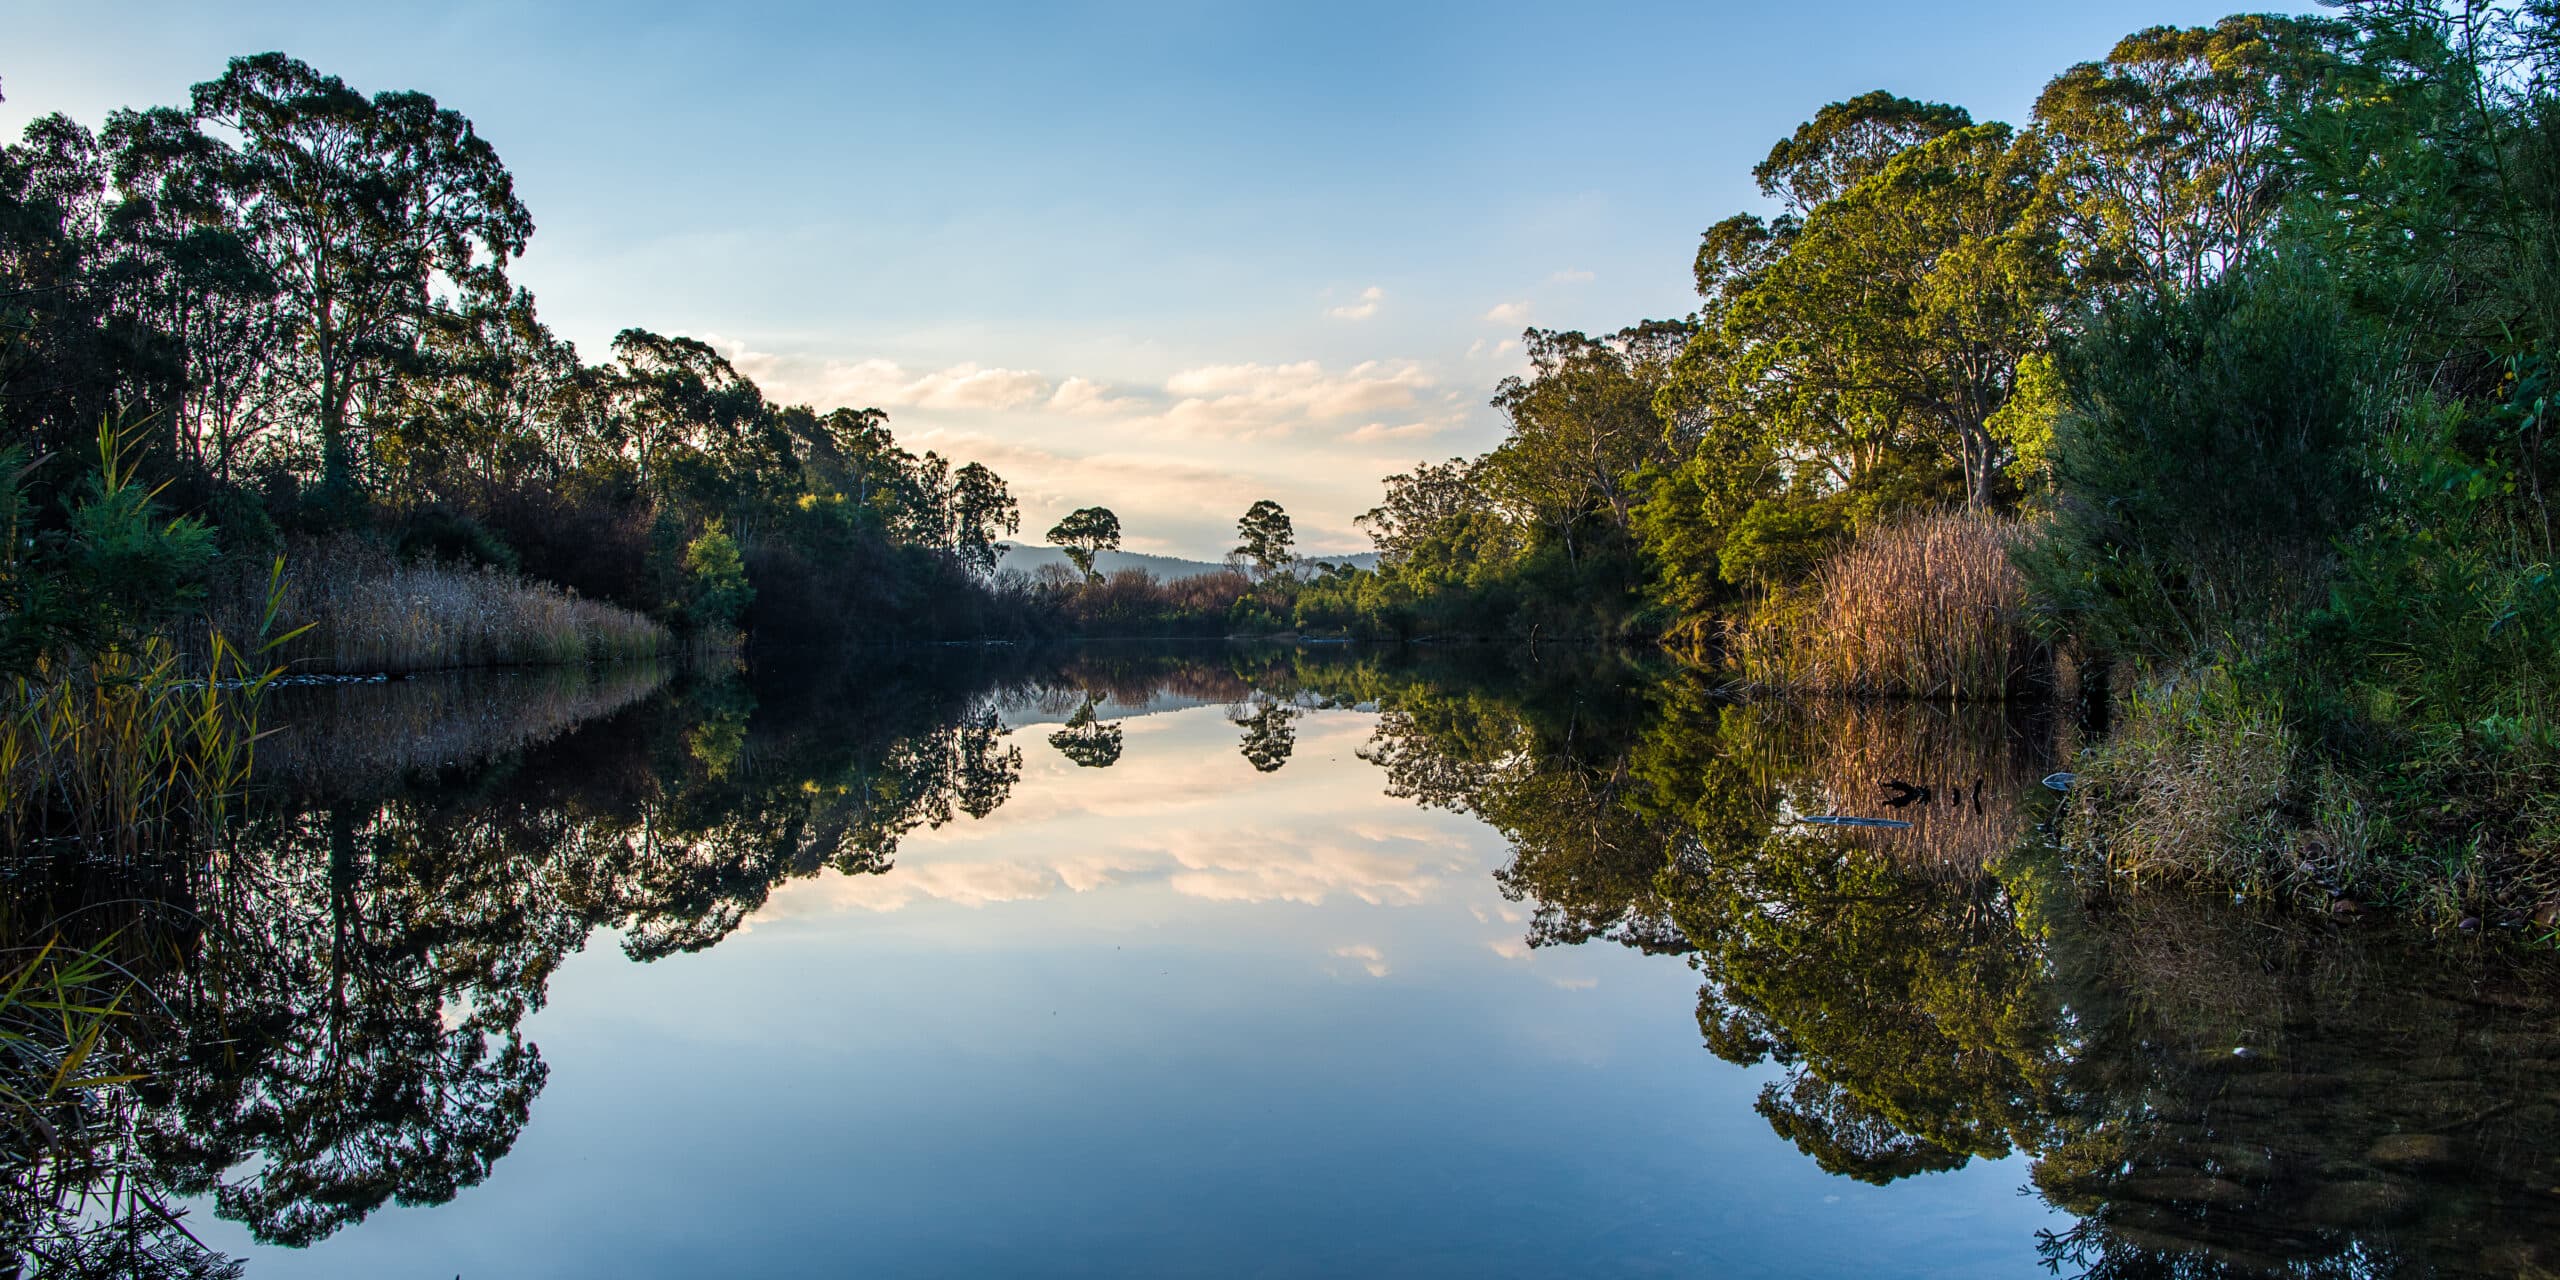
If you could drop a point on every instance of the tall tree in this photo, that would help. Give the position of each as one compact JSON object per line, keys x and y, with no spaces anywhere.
{"x":1265,"y":534}
{"x":2169,"y":158}
{"x":361,"y":208}
{"x":1898,"y":316}
{"x":1847,"y":143}
{"x":981,"y":510}
{"x":1584,"y":423}
{"x":1084,"y":534}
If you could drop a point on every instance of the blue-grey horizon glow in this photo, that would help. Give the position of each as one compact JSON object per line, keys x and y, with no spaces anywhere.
{"x":1168,"y":259}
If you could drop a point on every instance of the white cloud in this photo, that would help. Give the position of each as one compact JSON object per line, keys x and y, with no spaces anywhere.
{"x":1377,"y":431}
{"x":967,"y":884}
{"x":962,"y":386}
{"x":1366,"y":307}
{"x":1509,"y":949}
{"x":1575,"y":984}
{"x":1573,"y":276}
{"x":1270,"y":398}
{"x":882,"y":384}
{"x":1508,"y":312}
{"x":1370,"y":958}
{"x":1085,"y":397}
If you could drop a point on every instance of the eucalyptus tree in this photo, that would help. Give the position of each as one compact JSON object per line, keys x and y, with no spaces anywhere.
{"x":982,"y":509}
{"x":690,"y":422}
{"x":1847,"y":143}
{"x":2169,"y":157}
{"x":1265,"y":534}
{"x":1084,"y":534}
{"x":362,"y":209}
{"x":1896,"y":319}
{"x":1422,"y":505}
{"x":1584,"y":423}
{"x":495,"y":399}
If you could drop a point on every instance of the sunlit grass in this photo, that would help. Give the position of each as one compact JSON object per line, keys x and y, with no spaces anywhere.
{"x":1928,"y":607}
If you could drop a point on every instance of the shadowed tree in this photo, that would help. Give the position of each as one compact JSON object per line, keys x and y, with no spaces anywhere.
{"x":1084,"y":534}
{"x":1087,"y":739}
{"x":356,"y":206}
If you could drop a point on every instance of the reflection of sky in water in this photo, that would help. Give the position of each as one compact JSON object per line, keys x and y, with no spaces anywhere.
{"x":1172,"y":1017}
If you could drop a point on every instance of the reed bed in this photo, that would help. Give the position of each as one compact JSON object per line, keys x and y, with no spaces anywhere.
{"x":116,"y":753}
{"x":366,"y":613}
{"x":1928,"y":607}
{"x":79,"y":1199}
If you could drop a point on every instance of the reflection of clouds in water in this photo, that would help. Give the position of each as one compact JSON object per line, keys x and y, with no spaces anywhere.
{"x":1182,"y":811}
{"x":1370,"y":958}
{"x":967,"y":884}
{"x":1396,"y":868}
{"x":1093,"y":870}
{"x":1508,"y":948}
{"x":1259,"y":866}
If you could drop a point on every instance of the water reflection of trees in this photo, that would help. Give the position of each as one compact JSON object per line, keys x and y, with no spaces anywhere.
{"x":346,"y":978}
{"x":339,"y":987}
{"x":2205,"y":1091}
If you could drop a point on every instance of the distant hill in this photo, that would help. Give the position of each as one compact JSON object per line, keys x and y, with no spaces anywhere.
{"x":1028,"y":559}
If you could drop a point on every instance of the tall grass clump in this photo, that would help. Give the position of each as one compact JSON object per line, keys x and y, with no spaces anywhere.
{"x":1925,"y":607}
{"x":109,"y":744}
{"x":2207,"y":780}
{"x":362,"y":611}
{"x":118,"y":754}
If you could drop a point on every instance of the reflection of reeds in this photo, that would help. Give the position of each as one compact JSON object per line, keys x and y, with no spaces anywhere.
{"x":1929,"y":607}
{"x":1980,"y":766}
{"x":344,"y":738}
{"x":78,"y":1199}
{"x":368,"y":613}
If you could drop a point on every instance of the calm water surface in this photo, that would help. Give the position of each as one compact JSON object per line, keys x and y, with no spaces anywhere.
{"x":1288,"y":962}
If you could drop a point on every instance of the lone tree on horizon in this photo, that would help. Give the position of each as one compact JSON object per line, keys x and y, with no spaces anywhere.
{"x":1267,"y":533}
{"x":1084,"y":534}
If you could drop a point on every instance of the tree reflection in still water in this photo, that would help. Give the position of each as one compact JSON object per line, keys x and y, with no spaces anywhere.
{"x":343,"y":981}
{"x":2209,"y":1092}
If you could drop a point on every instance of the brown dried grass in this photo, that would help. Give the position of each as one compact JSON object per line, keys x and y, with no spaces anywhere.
{"x":367,"y":613}
{"x":1927,"y":607}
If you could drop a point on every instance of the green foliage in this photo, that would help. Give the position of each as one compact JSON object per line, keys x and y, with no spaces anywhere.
{"x":295,"y":296}
{"x":1266,"y":533}
{"x":112,"y":569}
{"x":716,"y":589}
{"x":2214,"y":448}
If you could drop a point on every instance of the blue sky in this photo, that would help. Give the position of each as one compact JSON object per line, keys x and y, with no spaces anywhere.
{"x":1164,"y":258}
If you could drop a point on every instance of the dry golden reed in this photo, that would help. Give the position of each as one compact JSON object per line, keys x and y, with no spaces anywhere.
{"x":366,"y":613}
{"x":1926,"y":607}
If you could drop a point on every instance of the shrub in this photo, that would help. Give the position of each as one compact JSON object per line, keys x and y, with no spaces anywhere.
{"x":2210,"y":453}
